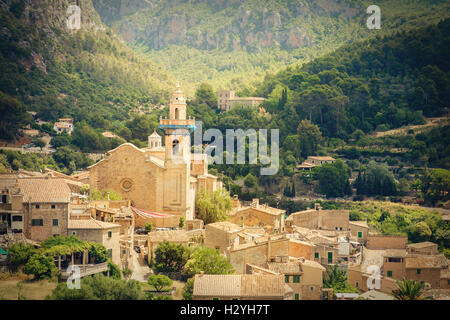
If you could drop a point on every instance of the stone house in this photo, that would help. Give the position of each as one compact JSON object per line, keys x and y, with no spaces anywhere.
{"x":46,"y":206}
{"x":292,"y":272}
{"x":106,"y":233}
{"x":319,"y":219}
{"x":63,"y":125}
{"x":256,"y":215}
{"x":314,"y":161}
{"x":221,"y":235}
{"x":227,"y":98}
{"x":301,"y":249}
{"x":379,"y":242}
{"x":258,"y":252}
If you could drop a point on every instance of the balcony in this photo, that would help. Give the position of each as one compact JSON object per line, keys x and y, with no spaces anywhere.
{"x":86,"y":270}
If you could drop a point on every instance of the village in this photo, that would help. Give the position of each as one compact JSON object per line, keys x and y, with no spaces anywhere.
{"x":273,"y":255}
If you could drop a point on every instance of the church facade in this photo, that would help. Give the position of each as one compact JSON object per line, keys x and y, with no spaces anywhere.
{"x":162,"y":179}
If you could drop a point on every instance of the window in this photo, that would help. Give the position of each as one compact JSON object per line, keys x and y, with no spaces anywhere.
{"x":296,"y":279}
{"x":37,"y":206}
{"x":316,"y":255}
{"x":330,"y":257}
{"x":286,"y":279}
{"x":16,"y":218}
{"x":109,"y":234}
{"x":359,"y":234}
{"x":215,"y":298}
{"x":110,"y":253}
{"x":389,"y":273}
{"x":53,"y":206}
{"x":357,"y":284}
{"x":37,"y":222}
{"x":418,"y":271}
{"x":296,"y":296}
{"x":55,"y":222}
{"x":3,"y":198}
{"x":74,"y":233}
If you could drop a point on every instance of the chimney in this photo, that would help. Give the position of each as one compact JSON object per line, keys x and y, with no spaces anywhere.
{"x":255,"y":203}
{"x":236,"y":203}
{"x":202,"y":273}
{"x":269,"y":244}
{"x":317,"y":206}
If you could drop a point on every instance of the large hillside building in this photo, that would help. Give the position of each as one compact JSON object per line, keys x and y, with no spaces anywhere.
{"x":158,"y":179}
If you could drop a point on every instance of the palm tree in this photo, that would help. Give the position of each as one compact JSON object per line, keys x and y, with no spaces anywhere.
{"x":409,"y":290}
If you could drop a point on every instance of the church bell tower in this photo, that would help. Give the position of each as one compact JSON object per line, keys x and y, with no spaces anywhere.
{"x":177,"y":130}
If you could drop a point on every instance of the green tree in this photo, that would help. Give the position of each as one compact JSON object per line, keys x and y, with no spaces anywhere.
{"x":159,"y":282}
{"x":333,"y":179}
{"x":181,"y":223}
{"x":18,"y":254}
{"x":375,"y":180}
{"x":188,"y":289}
{"x":309,"y":138}
{"x":409,"y":290}
{"x":99,"y":252}
{"x":213,"y":208}
{"x":436,"y":185}
{"x":148,"y":227}
{"x":100,"y":287}
{"x":250,"y":181}
{"x":170,"y":257}
{"x":336,"y":279}
{"x":205,"y":94}
{"x":209,"y":261}
{"x":40,"y":266}
{"x":38,"y":142}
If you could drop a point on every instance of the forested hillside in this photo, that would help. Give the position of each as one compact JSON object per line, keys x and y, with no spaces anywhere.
{"x":335,"y":100}
{"x":87,"y":74}
{"x":386,"y":82}
{"x":232,"y":43}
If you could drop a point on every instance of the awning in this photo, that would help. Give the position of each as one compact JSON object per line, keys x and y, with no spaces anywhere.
{"x":3,"y":251}
{"x":147,"y":214}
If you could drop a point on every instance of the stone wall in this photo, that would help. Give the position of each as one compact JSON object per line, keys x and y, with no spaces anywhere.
{"x":257,"y":254}
{"x":386,"y":242}
{"x":47,"y":214}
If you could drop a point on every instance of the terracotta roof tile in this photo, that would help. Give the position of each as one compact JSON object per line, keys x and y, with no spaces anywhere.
{"x":217,"y":285}
{"x":47,"y":190}
{"x":90,"y":224}
{"x":426,"y":261}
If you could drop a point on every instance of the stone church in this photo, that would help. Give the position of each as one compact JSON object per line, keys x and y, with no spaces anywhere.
{"x":160,"y":179}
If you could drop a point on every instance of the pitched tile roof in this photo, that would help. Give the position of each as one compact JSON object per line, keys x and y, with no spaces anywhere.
{"x":421,"y":245}
{"x":359,"y":223}
{"x":258,"y":285}
{"x":223,"y":285}
{"x":90,"y":224}
{"x":245,"y":285}
{"x":313,"y":264}
{"x":44,"y":189}
{"x":395,"y":253}
{"x":426,"y":261}
{"x":291,"y":267}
